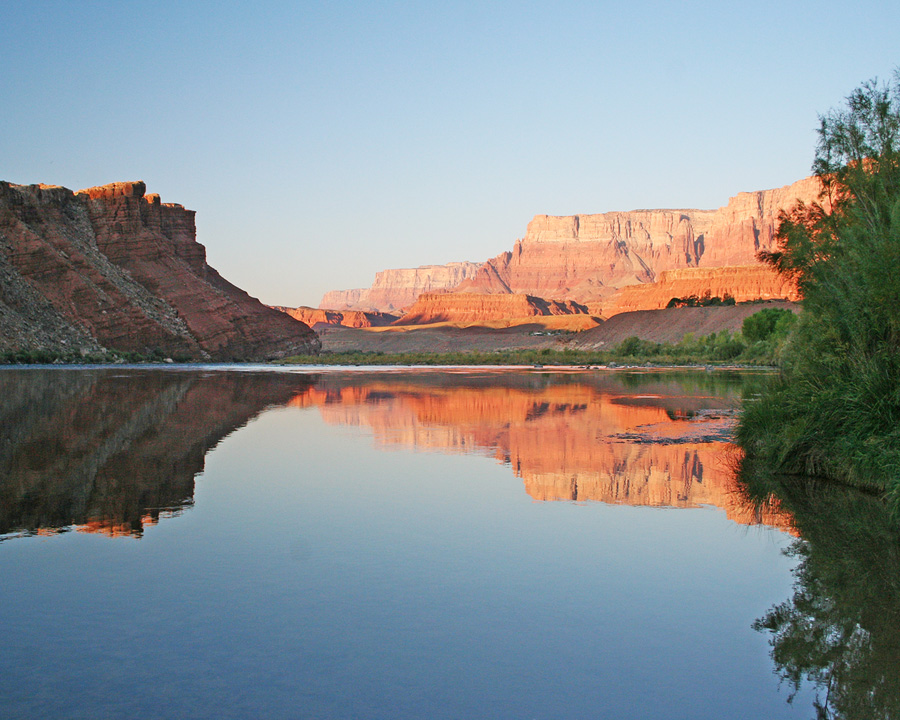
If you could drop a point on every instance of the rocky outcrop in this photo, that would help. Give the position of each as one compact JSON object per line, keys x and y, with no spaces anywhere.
{"x":345,"y":318}
{"x":399,"y":289}
{"x":109,"y":267}
{"x":475,"y":308}
{"x":743,"y":283}
{"x":589,"y":257}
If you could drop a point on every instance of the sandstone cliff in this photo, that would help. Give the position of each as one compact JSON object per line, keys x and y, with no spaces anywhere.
{"x":109,"y":267}
{"x":476,"y":308}
{"x":743,"y":283}
{"x":399,"y":289}
{"x":346,"y":318}
{"x":591,"y":258}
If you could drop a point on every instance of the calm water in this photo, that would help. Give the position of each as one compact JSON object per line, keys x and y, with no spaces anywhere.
{"x":395,"y":544}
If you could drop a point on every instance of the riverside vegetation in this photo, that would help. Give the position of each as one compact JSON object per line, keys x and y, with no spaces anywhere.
{"x":834,"y":410}
{"x":760,"y":342}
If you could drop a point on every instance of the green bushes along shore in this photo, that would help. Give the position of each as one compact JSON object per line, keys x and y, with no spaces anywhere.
{"x":835,"y":409}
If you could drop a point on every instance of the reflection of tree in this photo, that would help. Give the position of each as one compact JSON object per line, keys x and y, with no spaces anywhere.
{"x":841,"y":629}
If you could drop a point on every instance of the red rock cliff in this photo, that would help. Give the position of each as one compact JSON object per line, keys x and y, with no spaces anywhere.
{"x":346,"y":318}
{"x":589,"y":257}
{"x":475,"y":307}
{"x":398,"y":289}
{"x":743,"y":283}
{"x":109,"y":267}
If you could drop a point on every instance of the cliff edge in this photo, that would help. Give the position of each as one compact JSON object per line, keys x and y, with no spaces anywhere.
{"x":111,"y":268}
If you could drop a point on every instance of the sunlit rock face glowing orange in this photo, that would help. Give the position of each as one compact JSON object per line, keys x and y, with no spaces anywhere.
{"x":590,"y":258}
{"x":566,"y":442}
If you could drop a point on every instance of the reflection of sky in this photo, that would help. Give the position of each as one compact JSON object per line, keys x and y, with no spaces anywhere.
{"x":318,"y":576}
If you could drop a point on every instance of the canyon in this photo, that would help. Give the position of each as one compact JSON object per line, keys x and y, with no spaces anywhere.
{"x":618,"y":261}
{"x":111,"y":268}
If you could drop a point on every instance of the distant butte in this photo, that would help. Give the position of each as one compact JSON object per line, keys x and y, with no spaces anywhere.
{"x":609,"y":262}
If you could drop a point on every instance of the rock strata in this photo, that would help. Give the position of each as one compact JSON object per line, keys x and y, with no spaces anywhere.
{"x":111,"y":268}
{"x":590,"y":258}
{"x":743,"y":283}
{"x":398,"y":289}
{"x":346,"y":318}
{"x":479,"y":307}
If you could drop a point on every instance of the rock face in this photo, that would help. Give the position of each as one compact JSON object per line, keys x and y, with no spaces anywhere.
{"x":743,"y":283}
{"x":399,"y":289}
{"x":590,"y":258}
{"x":109,"y":267}
{"x":346,"y":318}
{"x":476,"y":307}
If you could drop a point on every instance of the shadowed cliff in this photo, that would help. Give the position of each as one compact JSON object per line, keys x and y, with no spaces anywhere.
{"x":111,"y":268}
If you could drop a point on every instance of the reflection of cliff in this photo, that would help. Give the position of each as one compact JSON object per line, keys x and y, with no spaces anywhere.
{"x":110,"y":450}
{"x":593,"y":440}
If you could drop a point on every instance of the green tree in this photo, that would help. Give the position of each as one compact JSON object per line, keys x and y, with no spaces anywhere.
{"x":836,"y":409}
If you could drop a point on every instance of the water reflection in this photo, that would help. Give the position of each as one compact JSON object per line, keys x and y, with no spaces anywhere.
{"x":108,"y":451}
{"x":654,"y":439}
{"x":841,"y":629}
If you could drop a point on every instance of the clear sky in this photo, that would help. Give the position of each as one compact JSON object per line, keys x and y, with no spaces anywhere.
{"x":320,"y":142}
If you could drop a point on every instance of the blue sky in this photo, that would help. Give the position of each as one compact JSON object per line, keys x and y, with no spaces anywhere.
{"x":320,"y":142}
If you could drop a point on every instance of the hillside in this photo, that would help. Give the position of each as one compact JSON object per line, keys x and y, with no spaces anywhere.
{"x":110,"y":268}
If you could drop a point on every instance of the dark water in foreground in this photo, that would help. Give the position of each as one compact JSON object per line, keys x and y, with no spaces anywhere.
{"x":235,"y":544}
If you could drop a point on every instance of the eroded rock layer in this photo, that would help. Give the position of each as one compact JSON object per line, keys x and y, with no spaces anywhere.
{"x":346,"y":318}
{"x":109,"y":267}
{"x":398,"y":289}
{"x":591,"y":258}
{"x":478,"y":307}
{"x":743,"y":283}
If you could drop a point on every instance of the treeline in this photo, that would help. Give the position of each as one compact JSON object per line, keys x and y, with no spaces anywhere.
{"x":760,"y":342}
{"x":835,"y":410}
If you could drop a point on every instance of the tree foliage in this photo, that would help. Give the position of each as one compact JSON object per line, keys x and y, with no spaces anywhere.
{"x":836,"y":410}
